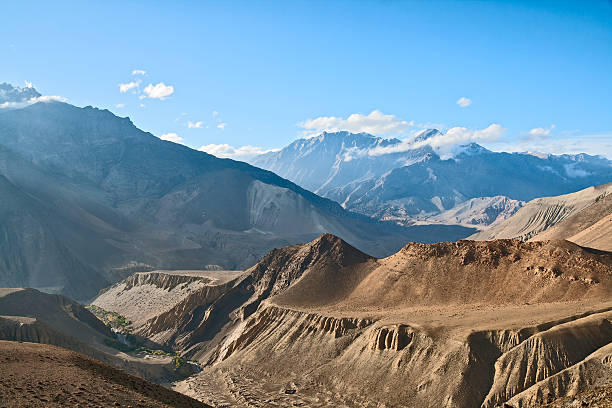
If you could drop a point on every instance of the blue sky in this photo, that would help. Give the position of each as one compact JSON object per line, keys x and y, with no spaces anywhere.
{"x":265,"y":73}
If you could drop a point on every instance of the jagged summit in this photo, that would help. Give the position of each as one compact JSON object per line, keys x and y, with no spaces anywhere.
{"x":411,"y":181}
{"x":426,"y":134}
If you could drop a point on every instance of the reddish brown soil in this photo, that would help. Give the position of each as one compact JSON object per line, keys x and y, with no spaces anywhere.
{"x":40,"y":375}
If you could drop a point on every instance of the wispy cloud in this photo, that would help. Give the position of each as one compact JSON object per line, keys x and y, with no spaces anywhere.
{"x":464,"y":102}
{"x":243,"y":153}
{"x":172,"y":137}
{"x":120,"y":105}
{"x":541,"y":132}
{"x":375,"y":122}
{"x":158,"y":91}
{"x":445,"y":142}
{"x":222,"y":126}
{"x":123,"y":88}
{"x":139,"y":72}
{"x":195,"y":125}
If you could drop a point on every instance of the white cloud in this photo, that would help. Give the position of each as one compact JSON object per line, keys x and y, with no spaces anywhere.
{"x":464,"y":102}
{"x":215,"y":113}
{"x":139,"y":72}
{"x":195,"y":125}
{"x":123,"y":88}
{"x":28,"y":84}
{"x":48,"y":98}
{"x":541,"y":132}
{"x":142,"y":105}
{"x":43,"y":98}
{"x":376,"y":123}
{"x":222,"y":126}
{"x":159,"y":91}
{"x":171,"y":137}
{"x":120,"y":105}
{"x":445,"y":142}
{"x":238,"y":153}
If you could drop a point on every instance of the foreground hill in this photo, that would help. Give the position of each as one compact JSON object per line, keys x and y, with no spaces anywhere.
{"x":90,"y":198}
{"x":27,"y":315}
{"x":37,"y":375}
{"x":460,"y":324}
{"x":581,"y":217}
{"x":400,"y":181}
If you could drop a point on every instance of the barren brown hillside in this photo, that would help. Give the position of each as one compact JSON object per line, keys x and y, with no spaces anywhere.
{"x":460,"y":324}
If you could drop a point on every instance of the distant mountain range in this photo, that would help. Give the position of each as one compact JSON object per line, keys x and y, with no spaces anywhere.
{"x":87,"y":198}
{"x":389,"y":180}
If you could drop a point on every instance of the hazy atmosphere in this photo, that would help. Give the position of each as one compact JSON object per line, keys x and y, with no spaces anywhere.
{"x":355,"y":204}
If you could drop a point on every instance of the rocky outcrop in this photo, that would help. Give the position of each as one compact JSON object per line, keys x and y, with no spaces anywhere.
{"x":394,"y":337}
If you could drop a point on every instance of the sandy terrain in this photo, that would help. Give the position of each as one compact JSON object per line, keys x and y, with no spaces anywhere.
{"x":32,"y":316}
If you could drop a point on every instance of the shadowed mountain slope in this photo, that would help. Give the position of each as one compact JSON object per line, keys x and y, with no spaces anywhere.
{"x":28,"y":315}
{"x":88,"y":198}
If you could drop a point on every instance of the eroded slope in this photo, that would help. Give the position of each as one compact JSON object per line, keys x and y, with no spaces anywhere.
{"x":543,"y":213}
{"x":459,"y":324}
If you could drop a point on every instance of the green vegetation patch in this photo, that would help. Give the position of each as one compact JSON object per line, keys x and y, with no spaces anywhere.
{"x":112,"y":319}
